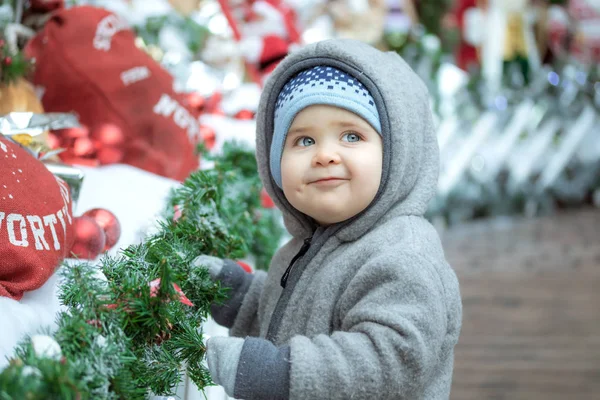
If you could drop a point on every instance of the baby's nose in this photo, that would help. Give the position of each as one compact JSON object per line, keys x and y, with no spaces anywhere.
{"x":326,"y":155}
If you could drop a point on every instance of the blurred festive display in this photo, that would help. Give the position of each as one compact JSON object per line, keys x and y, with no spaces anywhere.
{"x":166,"y":85}
{"x":514,"y":84}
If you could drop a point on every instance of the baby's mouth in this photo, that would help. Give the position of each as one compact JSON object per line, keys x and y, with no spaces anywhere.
{"x":330,"y":180}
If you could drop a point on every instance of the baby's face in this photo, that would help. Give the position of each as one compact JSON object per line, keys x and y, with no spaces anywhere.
{"x":331,"y":163}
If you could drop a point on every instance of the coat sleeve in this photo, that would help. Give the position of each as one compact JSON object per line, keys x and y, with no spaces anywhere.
{"x":393,"y":322}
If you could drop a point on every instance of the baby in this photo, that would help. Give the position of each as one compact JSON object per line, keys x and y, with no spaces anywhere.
{"x":360,"y":303}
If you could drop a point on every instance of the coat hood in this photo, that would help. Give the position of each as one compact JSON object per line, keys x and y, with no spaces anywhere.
{"x":411,"y":155}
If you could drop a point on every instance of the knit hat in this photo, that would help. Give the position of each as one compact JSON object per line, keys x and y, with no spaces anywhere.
{"x":318,"y":85}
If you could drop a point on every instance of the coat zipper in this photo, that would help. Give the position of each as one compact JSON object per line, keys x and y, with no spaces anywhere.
{"x":300,"y":253}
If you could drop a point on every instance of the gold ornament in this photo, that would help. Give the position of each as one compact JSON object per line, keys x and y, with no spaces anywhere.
{"x":19,"y":96}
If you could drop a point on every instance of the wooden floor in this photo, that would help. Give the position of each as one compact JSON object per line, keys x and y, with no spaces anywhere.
{"x":531,"y":307}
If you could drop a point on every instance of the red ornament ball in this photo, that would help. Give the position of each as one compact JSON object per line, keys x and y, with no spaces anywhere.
{"x":108,"y":222}
{"x":7,"y":60}
{"x":109,"y":155}
{"x":196,"y":101}
{"x":83,"y":146}
{"x":53,"y":141}
{"x":109,"y":135}
{"x":209,"y":137}
{"x":75,"y":133}
{"x":245,"y":115}
{"x":89,"y":238}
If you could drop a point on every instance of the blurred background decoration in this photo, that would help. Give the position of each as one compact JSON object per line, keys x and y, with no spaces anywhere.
{"x":514,"y":86}
{"x":514,"y":83}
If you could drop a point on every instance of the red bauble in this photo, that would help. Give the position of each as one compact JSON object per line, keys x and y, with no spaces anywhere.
{"x":109,"y":155}
{"x":83,"y":147}
{"x":8,"y":60}
{"x":196,"y":101}
{"x":109,"y":135}
{"x":53,"y":141}
{"x":208,"y":135}
{"x":74,"y":133}
{"x":244,"y":114}
{"x":265,"y":199}
{"x":89,"y":238}
{"x":108,"y":222}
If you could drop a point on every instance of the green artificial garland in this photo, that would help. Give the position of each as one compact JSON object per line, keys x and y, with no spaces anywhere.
{"x":121,"y":339}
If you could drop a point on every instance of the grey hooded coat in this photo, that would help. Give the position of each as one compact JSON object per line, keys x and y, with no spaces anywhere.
{"x":370,"y":309}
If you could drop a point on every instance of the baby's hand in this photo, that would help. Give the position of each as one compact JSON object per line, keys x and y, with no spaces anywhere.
{"x":232,"y":276}
{"x":213,"y":264}
{"x":223,"y":356}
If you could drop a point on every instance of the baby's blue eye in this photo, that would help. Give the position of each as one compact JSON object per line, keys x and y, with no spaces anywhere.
{"x":351,"y":137}
{"x":305,"y":141}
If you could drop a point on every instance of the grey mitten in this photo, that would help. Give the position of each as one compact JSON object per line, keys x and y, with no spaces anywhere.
{"x":231,"y":276}
{"x":213,"y":264}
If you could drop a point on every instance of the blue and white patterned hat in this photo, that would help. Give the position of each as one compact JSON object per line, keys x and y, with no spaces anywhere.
{"x":318,"y":85}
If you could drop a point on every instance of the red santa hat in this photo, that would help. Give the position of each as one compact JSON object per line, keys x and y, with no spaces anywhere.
{"x":35,"y":221}
{"x":265,"y":52}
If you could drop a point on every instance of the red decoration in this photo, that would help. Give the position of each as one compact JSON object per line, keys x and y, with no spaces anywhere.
{"x":83,"y":147}
{"x":89,"y":238}
{"x":209,"y":136}
{"x":109,"y":155}
{"x":74,"y":133}
{"x":96,"y":323}
{"x":265,"y":200}
{"x":109,"y":140}
{"x":177,"y":213}
{"x":8,"y":60}
{"x":155,"y":285}
{"x":245,"y":266}
{"x":466,"y":54}
{"x":244,"y":114}
{"x":128,"y":89}
{"x":213,"y":103}
{"x":196,"y":101}
{"x":109,"y":135}
{"x":109,"y":224}
{"x":36,"y":226}
{"x":53,"y":141}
